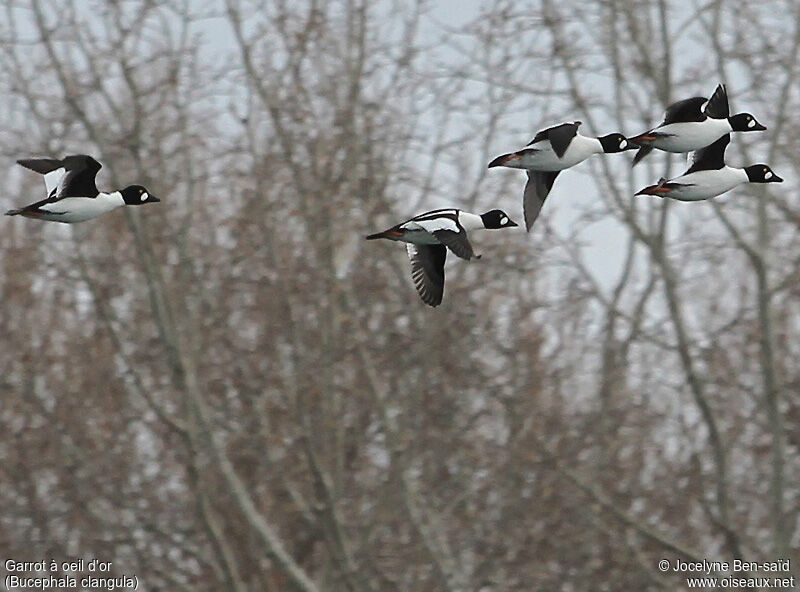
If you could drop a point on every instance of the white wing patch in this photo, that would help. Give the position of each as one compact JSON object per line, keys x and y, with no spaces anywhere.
{"x":411,"y":225}
{"x":438,"y":224}
{"x":52,"y":179}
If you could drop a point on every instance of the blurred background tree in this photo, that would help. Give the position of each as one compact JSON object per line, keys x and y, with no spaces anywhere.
{"x":232,"y":390}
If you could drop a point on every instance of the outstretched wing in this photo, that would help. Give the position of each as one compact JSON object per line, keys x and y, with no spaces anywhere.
{"x":559,"y":136}
{"x":456,"y":242}
{"x":444,"y":225}
{"x":710,"y":158}
{"x":79,"y":180}
{"x":52,"y":169}
{"x":685,"y":111}
{"x":640,"y":154}
{"x":536,"y":191}
{"x":717,"y":106}
{"x":74,"y":176}
{"x":427,"y":271}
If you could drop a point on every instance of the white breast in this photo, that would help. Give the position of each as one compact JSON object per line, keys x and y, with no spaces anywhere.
{"x":470,"y":221}
{"x":706,"y":184}
{"x":691,"y":135}
{"x":79,"y":209}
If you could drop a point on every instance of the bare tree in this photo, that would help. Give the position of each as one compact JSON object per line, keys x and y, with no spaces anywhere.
{"x":233,"y":390}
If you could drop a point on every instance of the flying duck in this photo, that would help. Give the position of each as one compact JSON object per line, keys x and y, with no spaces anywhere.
{"x":429,"y":235}
{"x":709,"y":176}
{"x":72,"y":195}
{"x":551,"y":151}
{"x":694,"y":123}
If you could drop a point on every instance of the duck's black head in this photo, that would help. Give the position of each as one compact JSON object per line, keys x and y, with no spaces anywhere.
{"x":615,"y":143}
{"x":497,"y":219}
{"x":744,"y":122}
{"x":761,"y":173}
{"x":136,"y":195}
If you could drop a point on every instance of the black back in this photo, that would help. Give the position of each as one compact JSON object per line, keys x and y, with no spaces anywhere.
{"x":559,"y":135}
{"x":685,"y":111}
{"x":710,"y":158}
{"x":451,"y":213}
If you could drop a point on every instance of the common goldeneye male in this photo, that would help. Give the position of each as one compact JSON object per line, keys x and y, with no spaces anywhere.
{"x":709,"y":176}
{"x":429,"y":235}
{"x":72,"y":195}
{"x":551,"y":151}
{"x":694,"y":123}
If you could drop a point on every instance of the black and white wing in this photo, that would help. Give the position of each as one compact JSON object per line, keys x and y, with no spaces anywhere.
{"x":559,"y":136}
{"x":641,"y":153}
{"x":427,"y":271}
{"x":695,"y":109}
{"x":685,"y":111}
{"x":710,"y":158}
{"x":444,"y":225}
{"x":456,"y":242}
{"x":53,"y":170}
{"x":74,"y":176}
{"x":717,"y":106}
{"x":536,"y":191}
{"x":79,"y":180}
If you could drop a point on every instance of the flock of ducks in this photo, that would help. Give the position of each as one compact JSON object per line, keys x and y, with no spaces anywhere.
{"x":696,"y":124}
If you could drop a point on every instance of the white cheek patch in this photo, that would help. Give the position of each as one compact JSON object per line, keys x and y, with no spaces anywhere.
{"x":144,"y":196}
{"x":751,"y":123}
{"x":503,"y":220}
{"x":623,"y":144}
{"x":768,"y":175}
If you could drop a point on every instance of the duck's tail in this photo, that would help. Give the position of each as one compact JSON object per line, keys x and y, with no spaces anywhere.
{"x":391,"y":233}
{"x":504,"y":158}
{"x":661,"y":188}
{"x":13,"y":212}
